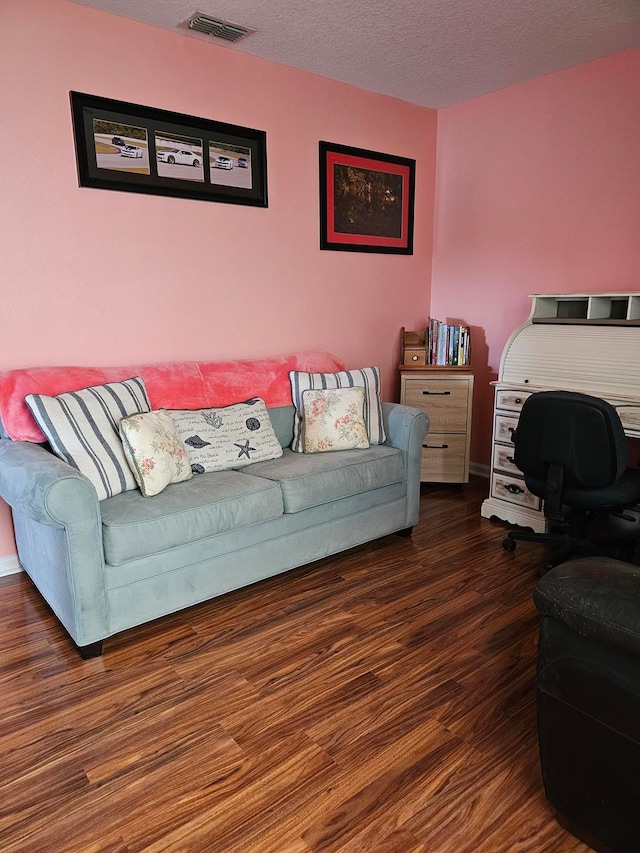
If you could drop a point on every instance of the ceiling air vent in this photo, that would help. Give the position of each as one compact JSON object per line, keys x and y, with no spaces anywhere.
{"x":217,"y":27}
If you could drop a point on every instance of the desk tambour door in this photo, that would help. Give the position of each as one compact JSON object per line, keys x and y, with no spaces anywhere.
{"x":445,"y":401}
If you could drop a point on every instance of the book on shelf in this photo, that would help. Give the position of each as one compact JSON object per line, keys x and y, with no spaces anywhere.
{"x":448,"y":345}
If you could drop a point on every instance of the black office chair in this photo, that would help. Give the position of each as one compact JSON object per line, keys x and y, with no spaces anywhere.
{"x":573,"y":452}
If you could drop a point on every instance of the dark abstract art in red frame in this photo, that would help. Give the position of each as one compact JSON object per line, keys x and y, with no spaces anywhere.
{"x":366,"y":200}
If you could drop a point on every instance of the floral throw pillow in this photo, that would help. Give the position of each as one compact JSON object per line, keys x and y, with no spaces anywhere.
{"x":154,"y":451}
{"x":333,"y":419}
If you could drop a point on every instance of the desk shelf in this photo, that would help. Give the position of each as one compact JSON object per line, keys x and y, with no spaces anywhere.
{"x":618,"y":309}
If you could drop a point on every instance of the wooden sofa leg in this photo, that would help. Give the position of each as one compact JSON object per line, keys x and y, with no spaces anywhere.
{"x":406,"y":533}
{"x":93,"y":650}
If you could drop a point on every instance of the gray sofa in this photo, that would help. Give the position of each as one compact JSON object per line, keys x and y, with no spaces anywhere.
{"x":106,"y":566}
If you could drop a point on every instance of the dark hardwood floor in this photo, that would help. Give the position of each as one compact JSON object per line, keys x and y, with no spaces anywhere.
{"x":379,"y":701}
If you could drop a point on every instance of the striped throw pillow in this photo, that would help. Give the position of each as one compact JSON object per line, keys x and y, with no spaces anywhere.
{"x":82,"y":429}
{"x":365,"y":377}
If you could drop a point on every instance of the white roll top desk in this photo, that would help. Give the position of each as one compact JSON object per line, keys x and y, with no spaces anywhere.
{"x":574,"y":342}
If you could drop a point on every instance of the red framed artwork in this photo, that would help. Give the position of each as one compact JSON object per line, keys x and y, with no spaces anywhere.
{"x":366,"y":200}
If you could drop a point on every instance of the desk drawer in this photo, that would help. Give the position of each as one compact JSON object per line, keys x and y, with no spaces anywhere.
{"x":513,"y":490}
{"x":511,"y":400}
{"x":503,"y":460}
{"x":630,"y":417}
{"x":505,"y":428}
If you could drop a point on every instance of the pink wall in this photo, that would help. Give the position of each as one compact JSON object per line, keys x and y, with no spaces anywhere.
{"x":537,"y":191}
{"x":97,"y":277}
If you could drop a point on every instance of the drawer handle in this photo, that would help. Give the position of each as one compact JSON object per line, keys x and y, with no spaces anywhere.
{"x":512,"y":430}
{"x":414,"y":358}
{"x":437,"y":393}
{"x":517,"y":401}
{"x":435,"y":446}
{"x":511,"y":459}
{"x":513,"y":489}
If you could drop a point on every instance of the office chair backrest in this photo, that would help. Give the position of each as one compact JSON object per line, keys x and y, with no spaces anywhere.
{"x":580,"y":433}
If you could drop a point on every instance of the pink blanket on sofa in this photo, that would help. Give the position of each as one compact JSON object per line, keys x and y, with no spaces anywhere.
{"x":173,"y":385}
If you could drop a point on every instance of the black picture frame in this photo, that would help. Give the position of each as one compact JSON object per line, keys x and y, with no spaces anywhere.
{"x":133,"y":148}
{"x":367,"y":200}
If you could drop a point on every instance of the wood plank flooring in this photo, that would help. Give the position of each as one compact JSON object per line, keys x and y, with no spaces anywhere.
{"x":381,"y":701}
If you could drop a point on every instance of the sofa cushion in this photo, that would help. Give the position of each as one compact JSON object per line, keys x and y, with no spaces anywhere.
{"x":185,"y":512}
{"x":227,"y":437}
{"x":309,"y":480}
{"x":82,"y":429}
{"x":366,"y":377}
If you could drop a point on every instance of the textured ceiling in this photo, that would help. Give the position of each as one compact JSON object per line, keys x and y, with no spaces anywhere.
{"x":429,"y":52}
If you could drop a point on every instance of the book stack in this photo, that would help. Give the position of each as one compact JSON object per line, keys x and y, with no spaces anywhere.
{"x":448,"y":345}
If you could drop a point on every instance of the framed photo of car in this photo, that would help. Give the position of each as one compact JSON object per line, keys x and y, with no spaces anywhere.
{"x":129,"y":147}
{"x":366,"y":200}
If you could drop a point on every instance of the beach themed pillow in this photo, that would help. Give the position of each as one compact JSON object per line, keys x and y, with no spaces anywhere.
{"x":227,"y":437}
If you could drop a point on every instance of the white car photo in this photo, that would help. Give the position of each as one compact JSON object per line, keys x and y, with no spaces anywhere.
{"x":179,"y":156}
{"x":131,"y":151}
{"x":223,"y":163}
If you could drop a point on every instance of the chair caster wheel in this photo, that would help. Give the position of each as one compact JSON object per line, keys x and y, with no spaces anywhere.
{"x":509,"y":544}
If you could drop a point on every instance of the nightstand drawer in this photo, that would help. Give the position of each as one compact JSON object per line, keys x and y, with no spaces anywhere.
{"x":444,"y":400}
{"x":443,"y":458}
{"x":413,"y":357}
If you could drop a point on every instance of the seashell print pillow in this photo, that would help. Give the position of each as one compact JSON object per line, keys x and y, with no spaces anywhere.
{"x":227,"y":437}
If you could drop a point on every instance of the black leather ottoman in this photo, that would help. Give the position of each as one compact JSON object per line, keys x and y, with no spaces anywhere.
{"x":588,"y":689}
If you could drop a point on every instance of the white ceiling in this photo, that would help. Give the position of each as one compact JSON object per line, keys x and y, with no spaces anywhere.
{"x":430,"y":52}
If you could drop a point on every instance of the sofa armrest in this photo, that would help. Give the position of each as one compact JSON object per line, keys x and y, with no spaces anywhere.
{"x":43,"y":487}
{"x":406,"y":428}
{"x":58,"y":527}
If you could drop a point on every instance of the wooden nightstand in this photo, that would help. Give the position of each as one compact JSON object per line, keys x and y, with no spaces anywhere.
{"x":445,"y":394}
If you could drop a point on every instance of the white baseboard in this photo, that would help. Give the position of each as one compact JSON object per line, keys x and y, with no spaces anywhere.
{"x":479,"y":470}
{"x":9,"y":565}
